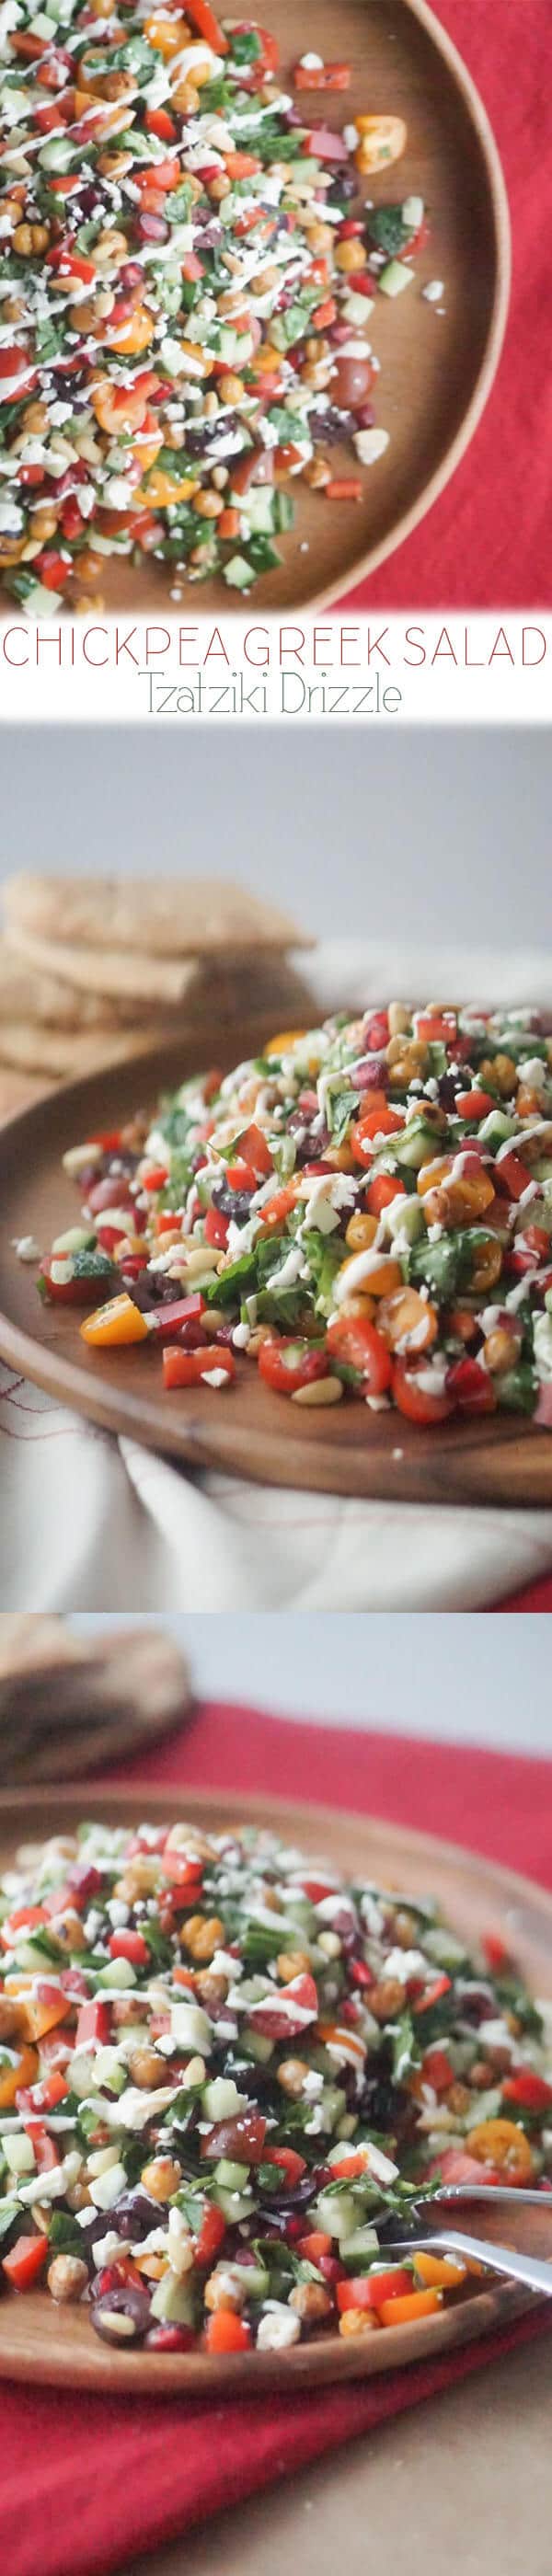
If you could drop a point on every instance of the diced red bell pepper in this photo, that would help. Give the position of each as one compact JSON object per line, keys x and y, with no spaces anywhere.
{"x":471,"y":1387}
{"x":211,"y":2236}
{"x":369,"y":2289}
{"x":216,"y":1229}
{"x":325,"y":76}
{"x":203,"y":18}
{"x":433,"y":1994}
{"x":226,"y":2332}
{"x":496,"y":1950}
{"x":183,"y":1317}
{"x":510,"y":1174}
{"x":181,"y":1872}
{"x":26,"y":1918}
{"x":326,"y":144}
{"x":46,"y":2154}
{"x":437,"y":2070}
{"x":25,"y":2261}
{"x":45,"y":2095}
{"x":94,"y":2024}
{"x":291,"y":2165}
{"x":289,"y":2011}
{"x":157,"y":122}
{"x":132,"y":1946}
{"x":473,"y":1104}
{"x":530,"y":2091}
{"x":189,"y":1368}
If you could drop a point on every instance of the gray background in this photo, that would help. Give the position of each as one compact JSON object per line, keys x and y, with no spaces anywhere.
{"x":473,"y":1679}
{"x":430,"y":832}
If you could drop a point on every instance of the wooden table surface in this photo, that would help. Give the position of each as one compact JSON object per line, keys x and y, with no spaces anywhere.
{"x":462,"y":2483}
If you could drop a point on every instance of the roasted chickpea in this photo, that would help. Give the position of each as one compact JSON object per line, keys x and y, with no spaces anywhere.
{"x":67,"y":2277}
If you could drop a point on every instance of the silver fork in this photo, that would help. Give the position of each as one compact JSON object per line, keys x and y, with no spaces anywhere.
{"x":497,"y":2258}
{"x":499,"y":2195}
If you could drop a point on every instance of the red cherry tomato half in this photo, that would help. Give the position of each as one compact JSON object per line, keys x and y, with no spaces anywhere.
{"x":415,"y":1400}
{"x":288,"y":1365}
{"x":353,"y":1339}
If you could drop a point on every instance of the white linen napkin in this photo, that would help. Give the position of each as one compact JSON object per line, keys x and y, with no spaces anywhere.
{"x":92,"y":1523}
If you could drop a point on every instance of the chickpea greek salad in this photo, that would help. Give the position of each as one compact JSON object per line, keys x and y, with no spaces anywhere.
{"x":365,"y":1210}
{"x":188,"y":276}
{"x":221,"y":2069}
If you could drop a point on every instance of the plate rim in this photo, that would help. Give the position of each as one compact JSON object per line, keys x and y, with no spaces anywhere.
{"x":333,"y":2362}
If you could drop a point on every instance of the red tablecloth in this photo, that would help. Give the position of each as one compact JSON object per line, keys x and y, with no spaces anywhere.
{"x":487,"y":542}
{"x":88,"y":2484}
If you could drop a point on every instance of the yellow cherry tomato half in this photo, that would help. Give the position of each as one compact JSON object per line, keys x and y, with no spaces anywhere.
{"x":503,"y":2144}
{"x":112,"y":1325}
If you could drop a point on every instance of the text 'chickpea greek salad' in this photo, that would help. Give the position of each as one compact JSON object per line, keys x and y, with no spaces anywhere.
{"x":187,"y":279}
{"x":365,"y":1210}
{"x":221,"y":2069}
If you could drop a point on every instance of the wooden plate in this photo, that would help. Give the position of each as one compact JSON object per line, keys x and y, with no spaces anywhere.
{"x":42,"y":2344}
{"x":249,"y":1431}
{"x":436,"y":370}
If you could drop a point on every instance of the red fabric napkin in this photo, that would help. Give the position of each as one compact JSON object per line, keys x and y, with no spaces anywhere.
{"x":487,"y":540}
{"x":88,"y":2483}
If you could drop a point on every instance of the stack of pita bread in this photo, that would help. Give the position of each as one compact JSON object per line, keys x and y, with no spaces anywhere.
{"x":95,"y":969}
{"x":69,"y":1704}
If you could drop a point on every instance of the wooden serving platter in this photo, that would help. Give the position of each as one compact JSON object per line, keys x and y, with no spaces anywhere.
{"x":57,"y":2345}
{"x":248,"y":1431}
{"x":437,"y":369}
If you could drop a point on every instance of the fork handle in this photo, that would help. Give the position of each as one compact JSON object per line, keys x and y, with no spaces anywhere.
{"x":501,"y":2258}
{"x":499,"y":2195}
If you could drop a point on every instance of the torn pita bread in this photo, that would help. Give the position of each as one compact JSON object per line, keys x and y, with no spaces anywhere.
{"x":66,"y":1706}
{"x":118,"y":974}
{"x":164,"y":917}
{"x":60,"y":1054}
{"x":27,"y":993}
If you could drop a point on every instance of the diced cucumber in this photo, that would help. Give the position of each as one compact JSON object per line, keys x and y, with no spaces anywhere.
{"x":238,"y":573}
{"x":404,"y":1217}
{"x":496,"y":1128}
{"x":83,"y":2074}
{"x":40,"y":601}
{"x":221,"y":2099}
{"x":230,"y":2175}
{"x":77,"y":1239}
{"x":255,"y":2279}
{"x":56,"y":155}
{"x":355,"y":309}
{"x":336,"y":2214}
{"x":258,"y":505}
{"x":412,"y":211}
{"x":172,"y":2303}
{"x":259,"y":2047}
{"x":393,"y":279}
{"x":19,"y":2154}
{"x":363,"y":2241}
{"x":107,"y":2188}
{"x":416,"y":1144}
{"x":443,"y":1947}
{"x":234,"y":2204}
{"x":119,"y":1972}
{"x":437,"y":1264}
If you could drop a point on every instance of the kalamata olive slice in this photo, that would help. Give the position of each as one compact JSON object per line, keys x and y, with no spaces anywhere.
{"x":350,"y":382}
{"x":136,"y":2213}
{"x":122,"y":2316}
{"x":152,"y":228}
{"x":242,"y":2138}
